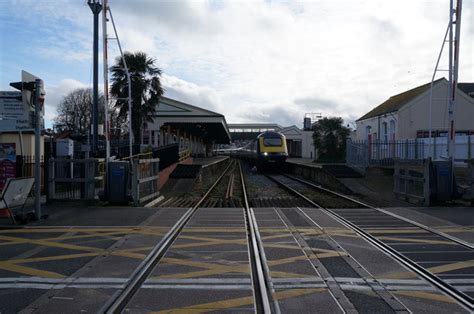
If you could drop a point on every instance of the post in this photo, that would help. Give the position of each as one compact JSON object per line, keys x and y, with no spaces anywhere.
{"x":135,"y":182}
{"x":106,"y":83}
{"x":95,"y":7}
{"x":38,"y":88}
{"x":426,"y":181}
{"x":469,"y":153}
{"x":396,"y":172}
{"x":51,"y":177}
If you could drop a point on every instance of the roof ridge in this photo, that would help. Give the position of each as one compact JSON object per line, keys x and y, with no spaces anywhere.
{"x":395,"y":102}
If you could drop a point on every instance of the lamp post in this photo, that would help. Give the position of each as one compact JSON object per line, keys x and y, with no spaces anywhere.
{"x":95,"y":7}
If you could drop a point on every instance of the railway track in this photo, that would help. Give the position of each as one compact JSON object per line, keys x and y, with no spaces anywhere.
{"x":260,"y":282}
{"x":443,"y":260}
{"x":229,"y":194}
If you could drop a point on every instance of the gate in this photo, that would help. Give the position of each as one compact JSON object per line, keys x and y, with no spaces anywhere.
{"x":72,"y":179}
{"x":145,"y":180}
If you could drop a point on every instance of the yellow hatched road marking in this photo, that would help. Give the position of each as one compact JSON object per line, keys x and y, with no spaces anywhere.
{"x":425,"y":295}
{"x":91,"y":235}
{"x":238,"y":302}
{"x":208,"y":241}
{"x":49,"y":258}
{"x":450,"y":267}
{"x":216,"y":269}
{"x":276,"y":236}
{"x":29,"y":271}
{"x":414,"y":240}
{"x":397,"y":231}
{"x":284,"y":274}
{"x":123,"y":253}
{"x":213,"y":229}
{"x":283,"y":246}
{"x":49,"y":243}
{"x":434,"y":270}
{"x":78,"y":229}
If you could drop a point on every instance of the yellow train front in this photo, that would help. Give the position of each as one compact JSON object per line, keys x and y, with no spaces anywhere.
{"x":271,"y":149}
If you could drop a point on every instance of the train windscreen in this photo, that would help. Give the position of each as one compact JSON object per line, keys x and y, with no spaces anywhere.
{"x":272,"y":141}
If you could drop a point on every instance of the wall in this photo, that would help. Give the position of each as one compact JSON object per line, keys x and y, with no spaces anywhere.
{"x":376,"y":125}
{"x":306,"y":138}
{"x":28,"y":143}
{"x":415,"y":115}
{"x":308,"y":145}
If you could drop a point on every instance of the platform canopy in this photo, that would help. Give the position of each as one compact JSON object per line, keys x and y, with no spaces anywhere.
{"x":205,"y":124}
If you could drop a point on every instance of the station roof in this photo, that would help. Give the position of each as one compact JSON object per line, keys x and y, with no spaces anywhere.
{"x":254,"y":127}
{"x":194,"y":120}
{"x":468,"y":88}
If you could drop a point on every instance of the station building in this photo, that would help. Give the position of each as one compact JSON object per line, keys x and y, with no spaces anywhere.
{"x":299,"y":142}
{"x":406,"y":115}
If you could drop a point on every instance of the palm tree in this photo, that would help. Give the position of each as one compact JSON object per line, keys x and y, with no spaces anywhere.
{"x":146,"y":88}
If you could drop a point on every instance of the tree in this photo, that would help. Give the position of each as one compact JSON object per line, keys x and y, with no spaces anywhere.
{"x":146,"y":88}
{"x":118,"y":124}
{"x":75,"y":111}
{"x":330,"y":139}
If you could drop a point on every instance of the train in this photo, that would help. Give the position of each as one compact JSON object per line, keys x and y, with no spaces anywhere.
{"x":269,"y":148}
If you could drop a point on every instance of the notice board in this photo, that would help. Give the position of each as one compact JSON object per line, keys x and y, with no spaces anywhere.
{"x":7,"y":162}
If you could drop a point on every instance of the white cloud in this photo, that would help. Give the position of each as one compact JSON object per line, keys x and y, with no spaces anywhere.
{"x":54,"y":95}
{"x":273,"y":61}
{"x":191,"y":93}
{"x":258,"y":57}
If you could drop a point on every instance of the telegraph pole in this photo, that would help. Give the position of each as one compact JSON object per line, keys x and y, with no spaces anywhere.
{"x":95,"y":7}
{"x":36,"y":103}
{"x":453,"y":70}
{"x":106,"y":82}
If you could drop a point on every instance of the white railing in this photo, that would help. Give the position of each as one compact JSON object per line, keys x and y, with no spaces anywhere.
{"x":145,"y":180}
{"x":362,"y":153}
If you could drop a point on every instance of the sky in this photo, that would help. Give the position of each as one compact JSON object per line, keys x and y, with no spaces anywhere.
{"x":253,"y":61}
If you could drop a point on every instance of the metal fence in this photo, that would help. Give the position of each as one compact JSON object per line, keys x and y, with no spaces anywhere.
{"x":25,"y":167}
{"x":72,"y":179}
{"x":145,"y":180}
{"x":412,"y":180}
{"x":362,"y":153}
{"x":357,"y":155}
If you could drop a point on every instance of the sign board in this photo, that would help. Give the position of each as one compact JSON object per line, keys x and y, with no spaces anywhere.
{"x":27,"y":94}
{"x":64,"y":147}
{"x":14,"y":113}
{"x":7,"y":162}
{"x":16,"y":108}
{"x":16,"y":192}
{"x":27,"y":77}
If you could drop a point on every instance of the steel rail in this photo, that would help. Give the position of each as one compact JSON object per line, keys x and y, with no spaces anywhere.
{"x":263,"y":297}
{"x":459,"y":296}
{"x":230,"y":187}
{"x":429,"y":229}
{"x":120,"y":299}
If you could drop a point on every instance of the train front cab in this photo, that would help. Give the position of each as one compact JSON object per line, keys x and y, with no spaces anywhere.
{"x":271,"y":149}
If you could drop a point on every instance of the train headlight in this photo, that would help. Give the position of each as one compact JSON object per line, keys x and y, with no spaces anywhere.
{"x":265,"y":154}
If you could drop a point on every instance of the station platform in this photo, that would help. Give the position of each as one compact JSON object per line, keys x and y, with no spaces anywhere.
{"x":303,"y":161}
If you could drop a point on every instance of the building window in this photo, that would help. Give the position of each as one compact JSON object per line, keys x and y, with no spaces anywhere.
{"x":392,"y":129}
{"x":367,"y":131}
{"x":385,"y":131}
